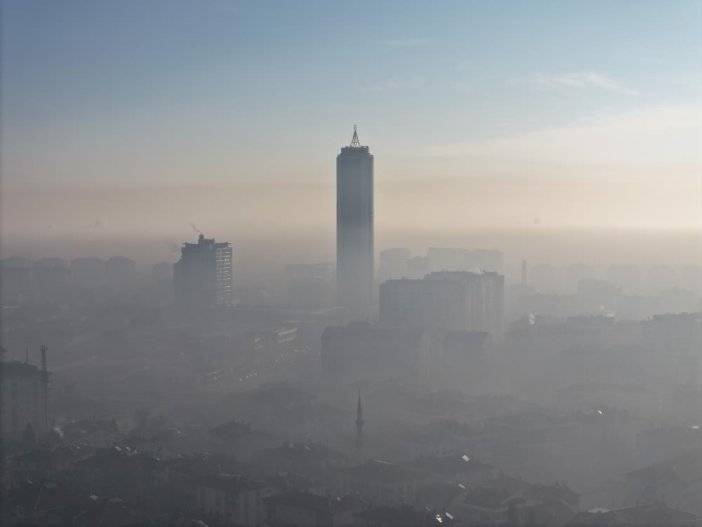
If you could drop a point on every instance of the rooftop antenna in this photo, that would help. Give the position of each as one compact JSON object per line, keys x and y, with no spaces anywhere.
{"x":26,"y":354}
{"x":354,"y":140}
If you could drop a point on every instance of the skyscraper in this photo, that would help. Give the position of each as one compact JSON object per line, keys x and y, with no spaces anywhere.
{"x":354,"y":228}
{"x":203,"y":275}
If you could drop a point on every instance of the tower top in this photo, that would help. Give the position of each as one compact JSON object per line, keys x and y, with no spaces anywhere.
{"x":355,"y":143}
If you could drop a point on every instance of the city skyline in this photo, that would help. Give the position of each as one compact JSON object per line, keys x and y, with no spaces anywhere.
{"x":369,"y":264}
{"x":470,"y":103}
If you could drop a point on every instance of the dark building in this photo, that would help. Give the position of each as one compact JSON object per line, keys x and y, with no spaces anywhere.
{"x":24,"y":399}
{"x":447,"y":300}
{"x":16,"y":281}
{"x":121,"y":272}
{"x":51,"y":276}
{"x":203,"y":275}
{"x":354,"y":228}
{"x":88,"y":272}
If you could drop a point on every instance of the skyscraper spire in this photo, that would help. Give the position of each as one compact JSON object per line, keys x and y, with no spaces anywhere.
{"x":354,"y":140}
{"x":359,"y":422}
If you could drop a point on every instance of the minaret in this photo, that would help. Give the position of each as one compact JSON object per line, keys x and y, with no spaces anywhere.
{"x":354,"y":229}
{"x":359,"y":423}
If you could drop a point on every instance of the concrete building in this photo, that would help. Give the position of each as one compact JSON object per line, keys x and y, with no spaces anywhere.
{"x":379,"y":481}
{"x":16,"y":281}
{"x":51,"y":275}
{"x":121,"y":273}
{"x":354,"y":229}
{"x":24,"y":399}
{"x":446,"y":300}
{"x":88,"y":272}
{"x":203,"y":275}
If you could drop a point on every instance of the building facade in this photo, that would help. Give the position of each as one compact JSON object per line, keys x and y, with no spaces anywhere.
{"x":445,"y":300}
{"x":354,"y":229}
{"x":203,"y":275}
{"x":24,"y":399}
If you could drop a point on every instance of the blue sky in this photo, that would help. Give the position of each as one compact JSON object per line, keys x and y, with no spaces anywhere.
{"x":155,"y":95}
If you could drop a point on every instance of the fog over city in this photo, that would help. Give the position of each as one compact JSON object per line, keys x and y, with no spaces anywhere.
{"x":371,"y":264}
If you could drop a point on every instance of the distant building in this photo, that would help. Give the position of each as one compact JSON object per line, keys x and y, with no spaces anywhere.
{"x":299,"y":509}
{"x":394,"y":264}
{"x":231,"y":500}
{"x":310,"y":285}
{"x":51,"y":275}
{"x":456,"y":259}
{"x":380,"y":481}
{"x":447,"y":300}
{"x":203,"y":275}
{"x":628,"y":277}
{"x":16,"y":280}
{"x":24,"y":399}
{"x":354,"y":229}
{"x":88,"y":272}
{"x":417,"y":267}
{"x":121,"y":272}
{"x":162,"y":272}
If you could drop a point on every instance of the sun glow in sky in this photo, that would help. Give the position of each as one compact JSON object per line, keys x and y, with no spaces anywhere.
{"x":138,"y":118}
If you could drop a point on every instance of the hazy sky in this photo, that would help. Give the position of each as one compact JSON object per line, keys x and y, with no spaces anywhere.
{"x":140,"y":117}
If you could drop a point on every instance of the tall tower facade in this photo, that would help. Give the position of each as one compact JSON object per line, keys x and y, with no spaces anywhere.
{"x":354,"y":228}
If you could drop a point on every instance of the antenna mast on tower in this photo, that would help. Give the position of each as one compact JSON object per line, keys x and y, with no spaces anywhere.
{"x":355,"y":143}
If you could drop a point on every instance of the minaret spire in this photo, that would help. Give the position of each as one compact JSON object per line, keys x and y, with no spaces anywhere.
{"x":354,"y":140}
{"x":45,"y":386}
{"x":359,"y":422}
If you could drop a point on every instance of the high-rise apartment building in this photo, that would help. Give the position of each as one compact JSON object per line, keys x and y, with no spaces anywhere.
{"x":203,"y":275}
{"x":447,"y":300}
